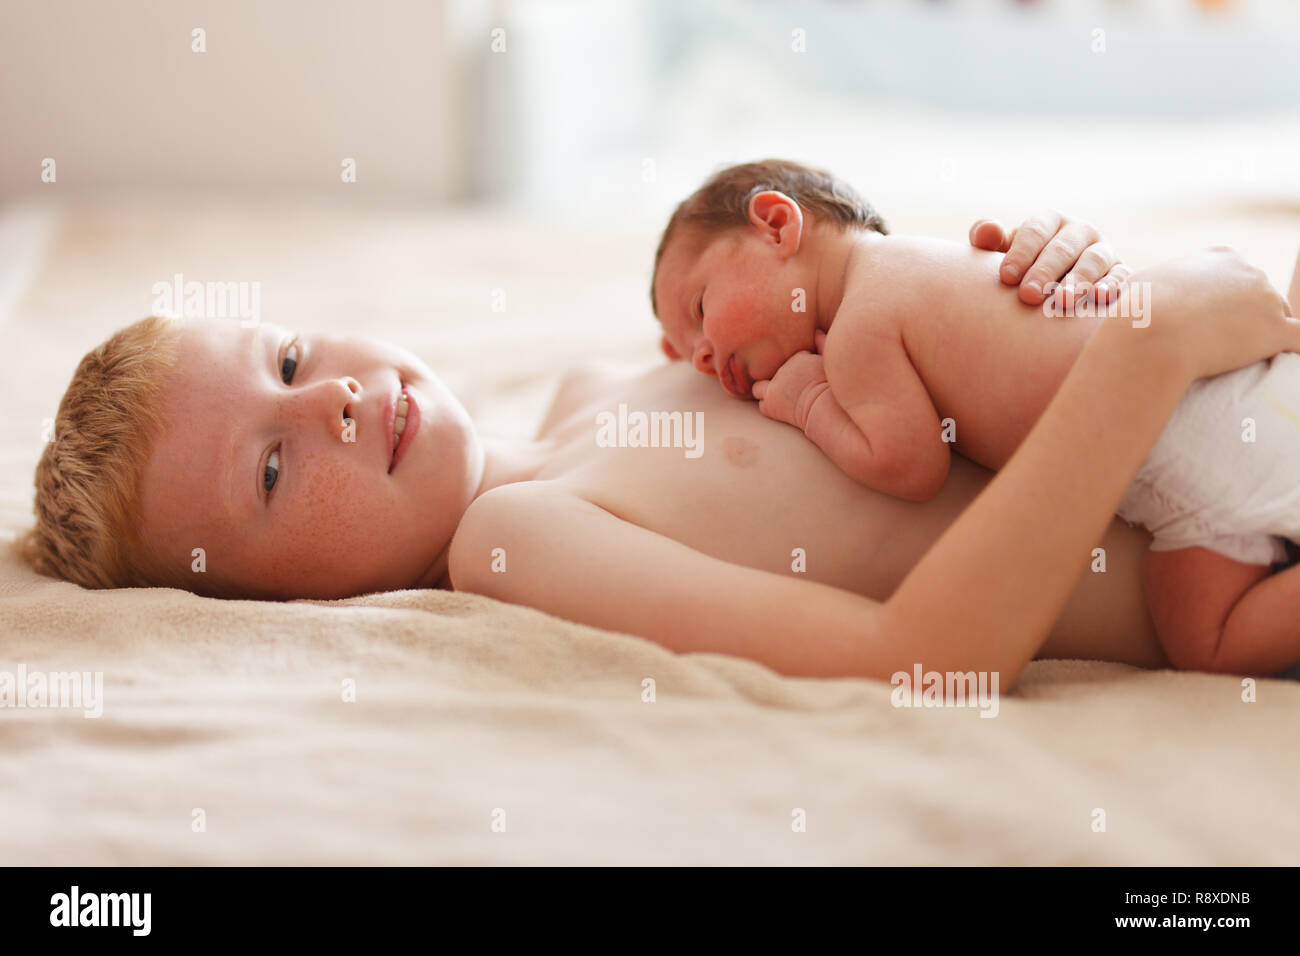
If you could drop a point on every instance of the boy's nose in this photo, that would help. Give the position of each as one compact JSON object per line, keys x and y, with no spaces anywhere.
{"x":333,"y":401}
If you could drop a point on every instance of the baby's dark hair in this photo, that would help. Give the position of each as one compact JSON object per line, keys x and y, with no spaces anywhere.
{"x":722,"y":203}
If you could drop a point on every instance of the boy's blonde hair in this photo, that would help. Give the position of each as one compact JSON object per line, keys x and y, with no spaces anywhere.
{"x":88,"y":479}
{"x":722,"y":203}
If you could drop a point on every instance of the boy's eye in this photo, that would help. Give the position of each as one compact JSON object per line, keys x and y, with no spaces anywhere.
{"x":271,"y":472}
{"x":290,"y":364}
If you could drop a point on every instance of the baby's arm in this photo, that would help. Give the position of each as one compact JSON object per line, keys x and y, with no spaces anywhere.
{"x":887,"y":407}
{"x":872,"y":416}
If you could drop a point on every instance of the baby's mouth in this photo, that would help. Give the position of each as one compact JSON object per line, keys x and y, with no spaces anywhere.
{"x":733,"y":378}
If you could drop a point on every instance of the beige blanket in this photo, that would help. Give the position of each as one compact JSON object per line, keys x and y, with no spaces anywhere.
{"x":485,"y":733}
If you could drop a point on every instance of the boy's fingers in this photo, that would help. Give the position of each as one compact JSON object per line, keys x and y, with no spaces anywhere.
{"x":1056,"y":260}
{"x":760,"y":389}
{"x":1290,"y":334}
{"x":1028,"y":241}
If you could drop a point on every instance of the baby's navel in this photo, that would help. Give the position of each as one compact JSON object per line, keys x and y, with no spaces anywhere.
{"x":740,"y":451}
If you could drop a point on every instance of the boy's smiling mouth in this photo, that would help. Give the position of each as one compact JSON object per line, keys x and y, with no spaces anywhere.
{"x":403,"y":421}
{"x":390,"y":422}
{"x":399,"y":421}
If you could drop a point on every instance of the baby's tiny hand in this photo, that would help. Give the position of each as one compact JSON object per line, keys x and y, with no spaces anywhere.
{"x":791,"y":393}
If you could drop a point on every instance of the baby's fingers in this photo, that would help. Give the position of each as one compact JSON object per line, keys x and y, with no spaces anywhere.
{"x":989,"y":234}
{"x":772,"y":403}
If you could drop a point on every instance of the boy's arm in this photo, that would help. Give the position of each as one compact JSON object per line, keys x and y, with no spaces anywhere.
{"x":867,"y":409}
{"x":568,"y":557}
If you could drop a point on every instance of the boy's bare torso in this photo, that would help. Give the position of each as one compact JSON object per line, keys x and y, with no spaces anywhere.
{"x":989,"y":362}
{"x":760,"y":490}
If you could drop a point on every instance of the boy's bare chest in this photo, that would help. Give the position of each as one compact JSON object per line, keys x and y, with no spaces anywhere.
{"x":761,"y":495}
{"x":670,"y":452}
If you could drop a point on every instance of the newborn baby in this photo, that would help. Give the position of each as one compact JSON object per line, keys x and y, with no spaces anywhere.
{"x":887,"y":351}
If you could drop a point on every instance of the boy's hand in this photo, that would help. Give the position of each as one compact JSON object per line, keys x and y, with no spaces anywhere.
{"x":1048,"y":249}
{"x":791,"y":393}
{"x":1214,"y":311}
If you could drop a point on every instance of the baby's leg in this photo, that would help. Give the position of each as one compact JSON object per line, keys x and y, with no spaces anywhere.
{"x":1216,"y":614}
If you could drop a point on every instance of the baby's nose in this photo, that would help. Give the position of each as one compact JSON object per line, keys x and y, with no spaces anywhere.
{"x":703,"y":358}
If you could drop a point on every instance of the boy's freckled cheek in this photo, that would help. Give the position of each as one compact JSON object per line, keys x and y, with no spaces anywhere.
{"x":337,"y":518}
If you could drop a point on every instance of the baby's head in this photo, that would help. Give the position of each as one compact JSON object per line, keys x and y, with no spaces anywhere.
{"x":251,"y":462}
{"x":732,"y":257}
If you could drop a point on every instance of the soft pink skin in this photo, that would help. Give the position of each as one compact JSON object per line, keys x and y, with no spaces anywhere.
{"x":747,"y":279}
{"x":337,"y":523}
{"x":747,"y":275}
{"x":1212,"y":613}
{"x":710,"y":572}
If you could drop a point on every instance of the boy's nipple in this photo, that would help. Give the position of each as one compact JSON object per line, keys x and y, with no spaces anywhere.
{"x":740,"y":451}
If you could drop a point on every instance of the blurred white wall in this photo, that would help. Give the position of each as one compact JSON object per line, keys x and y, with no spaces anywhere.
{"x":114,"y":92}
{"x":620,"y":107}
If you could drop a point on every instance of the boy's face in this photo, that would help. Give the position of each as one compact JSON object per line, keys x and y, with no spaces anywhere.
{"x":336,"y":522}
{"x":728,"y":307}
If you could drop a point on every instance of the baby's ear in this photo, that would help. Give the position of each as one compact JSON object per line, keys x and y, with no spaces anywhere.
{"x":668,"y":349}
{"x":778,"y":218}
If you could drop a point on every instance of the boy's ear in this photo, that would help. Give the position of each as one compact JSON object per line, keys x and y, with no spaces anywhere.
{"x":779,"y":219}
{"x":668,"y":349}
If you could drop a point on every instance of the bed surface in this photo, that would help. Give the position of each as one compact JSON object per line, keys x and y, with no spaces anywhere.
{"x":465,"y":707}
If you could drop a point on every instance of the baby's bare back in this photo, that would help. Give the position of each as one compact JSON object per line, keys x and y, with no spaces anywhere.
{"x":989,"y":362}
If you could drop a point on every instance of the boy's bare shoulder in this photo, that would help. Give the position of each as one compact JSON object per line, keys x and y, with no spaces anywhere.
{"x":583,"y":385}
{"x":505,"y":518}
{"x":591,"y":380}
{"x":494,"y":511}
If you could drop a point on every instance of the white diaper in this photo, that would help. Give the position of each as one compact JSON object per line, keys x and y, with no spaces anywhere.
{"x":1204,"y":485}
